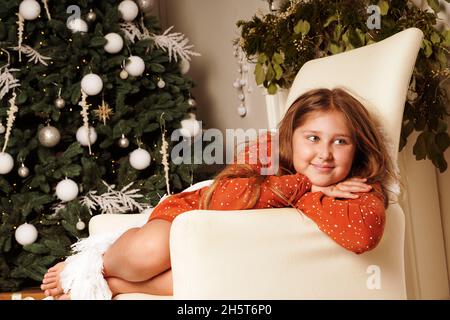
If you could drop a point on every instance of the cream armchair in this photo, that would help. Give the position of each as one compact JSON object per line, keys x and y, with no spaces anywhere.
{"x":278,"y":253}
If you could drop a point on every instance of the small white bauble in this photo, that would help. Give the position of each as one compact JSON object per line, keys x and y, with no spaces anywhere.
{"x":128,"y":10}
{"x":59,"y":103}
{"x":184,"y":66}
{"x":192,"y":102}
{"x":242,"y":110}
{"x":66,"y":190}
{"x":26,"y":234}
{"x":123,"y":142}
{"x":190,"y":127}
{"x":135,"y":66}
{"x":91,"y":16}
{"x":92,"y":84}
{"x":80,"y":225}
{"x":114,"y":44}
{"x":123,"y":75}
{"x":77,"y":25}
{"x":23,"y":171}
{"x":2,"y":128}
{"x":161,"y":84}
{"x":140,"y":159}
{"x":29,"y":9}
{"x":6,"y":163}
{"x":82,"y":136}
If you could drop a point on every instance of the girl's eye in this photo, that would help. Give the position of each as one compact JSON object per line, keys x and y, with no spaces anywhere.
{"x":340,"y":141}
{"x":313,"y":138}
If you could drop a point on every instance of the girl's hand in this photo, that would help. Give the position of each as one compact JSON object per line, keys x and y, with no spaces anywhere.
{"x":344,"y":189}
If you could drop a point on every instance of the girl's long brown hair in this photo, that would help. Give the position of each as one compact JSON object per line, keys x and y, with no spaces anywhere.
{"x":371,"y":161}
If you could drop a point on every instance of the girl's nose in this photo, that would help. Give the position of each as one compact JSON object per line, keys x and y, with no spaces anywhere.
{"x":325,"y":153}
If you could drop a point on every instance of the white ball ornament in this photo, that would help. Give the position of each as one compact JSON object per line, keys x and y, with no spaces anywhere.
{"x":77,"y":25}
{"x":129,"y":10}
{"x":114,"y":44}
{"x":184,"y":66}
{"x":2,"y":128}
{"x":190,"y":127}
{"x":26,"y":234}
{"x":29,"y":9}
{"x":135,"y":66}
{"x":161,"y":84}
{"x":6,"y":163}
{"x":123,"y":75}
{"x":82,"y":136}
{"x":66,"y":190}
{"x":92,"y":84}
{"x":80,"y":225}
{"x":242,"y":110}
{"x":140,"y":159}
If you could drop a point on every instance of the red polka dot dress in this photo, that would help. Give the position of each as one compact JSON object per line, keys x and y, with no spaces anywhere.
{"x":355,"y":224}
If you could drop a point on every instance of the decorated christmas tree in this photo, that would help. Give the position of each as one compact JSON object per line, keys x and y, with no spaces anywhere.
{"x":90,"y":94}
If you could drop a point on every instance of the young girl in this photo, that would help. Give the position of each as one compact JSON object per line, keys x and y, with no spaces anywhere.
{"x":334,"y":167}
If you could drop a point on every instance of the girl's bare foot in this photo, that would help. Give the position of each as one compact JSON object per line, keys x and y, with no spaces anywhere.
{"x":51,"y":284}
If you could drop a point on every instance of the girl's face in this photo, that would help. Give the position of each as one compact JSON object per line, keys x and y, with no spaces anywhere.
{"x":323,"y":148}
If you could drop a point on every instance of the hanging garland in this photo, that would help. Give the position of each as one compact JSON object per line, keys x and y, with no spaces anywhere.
{"x":279,"y":43}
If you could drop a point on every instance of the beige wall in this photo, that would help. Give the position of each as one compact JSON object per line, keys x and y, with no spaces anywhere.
{"x":210,"y":26}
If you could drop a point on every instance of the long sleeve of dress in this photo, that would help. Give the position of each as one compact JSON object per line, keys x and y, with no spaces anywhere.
{"x":355,"y":224}
{"x":234,"y":193}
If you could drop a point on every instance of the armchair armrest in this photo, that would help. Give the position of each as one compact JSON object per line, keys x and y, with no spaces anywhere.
{"x":280,"y":254}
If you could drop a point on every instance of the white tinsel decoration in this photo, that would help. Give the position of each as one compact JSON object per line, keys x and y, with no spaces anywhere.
{"x":85,"y":114}
{"x":175,"y":44}
{"x":11,"y":117}
{"x":7,"y":80}
{"x":165,"y":157}
{"x":21,"y":25}
{"x":113,"y":201}
{"x":46,"y":9}
{"x":131,"y":31}
{"x":33,"y":55}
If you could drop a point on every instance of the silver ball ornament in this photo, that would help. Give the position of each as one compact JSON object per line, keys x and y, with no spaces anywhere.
{"x":60,"y":103}
{"x":23,"y":171}
{"x":146,"y":6}
{"x":49,"y":136}
{"x":123,"y":75}
{"x":91,"y":16}
{"x":2,"y":128}
{"x":123,"y":142}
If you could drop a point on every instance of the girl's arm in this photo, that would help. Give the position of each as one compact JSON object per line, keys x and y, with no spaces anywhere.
{"x":356,"y":224}
{"x":233,"y":193}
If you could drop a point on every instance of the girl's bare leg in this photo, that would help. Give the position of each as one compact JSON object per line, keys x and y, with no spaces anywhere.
{"x":140,"y":253}
{"x":159,"y":285}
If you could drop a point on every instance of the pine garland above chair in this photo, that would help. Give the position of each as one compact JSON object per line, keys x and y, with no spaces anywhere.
{"x":279,"y":43}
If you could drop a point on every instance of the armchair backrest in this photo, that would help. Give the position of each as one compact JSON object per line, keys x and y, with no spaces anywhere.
{"x":377,"y":74}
